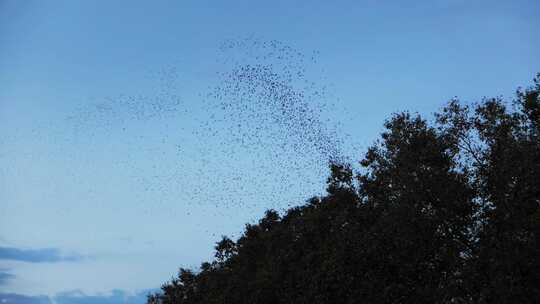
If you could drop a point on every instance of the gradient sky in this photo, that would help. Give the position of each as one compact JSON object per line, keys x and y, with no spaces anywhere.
{"x":99,"y":204}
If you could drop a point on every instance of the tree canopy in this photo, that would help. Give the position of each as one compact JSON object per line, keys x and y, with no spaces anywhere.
{"x":441,"y":211}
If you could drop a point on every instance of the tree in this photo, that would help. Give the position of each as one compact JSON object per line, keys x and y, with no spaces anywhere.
{"x":442,"y":212}
{"x":505,"y":166}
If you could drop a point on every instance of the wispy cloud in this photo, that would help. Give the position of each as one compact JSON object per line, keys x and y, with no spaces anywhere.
{"x":45,"y":255}
{"x":13,"y":298}
{"x":5,"y":276}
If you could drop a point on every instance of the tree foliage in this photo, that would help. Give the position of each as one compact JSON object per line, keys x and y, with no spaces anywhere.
{"x":441,"y":212}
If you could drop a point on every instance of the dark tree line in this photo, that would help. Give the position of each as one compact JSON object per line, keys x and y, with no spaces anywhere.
{"x":440,"y":212}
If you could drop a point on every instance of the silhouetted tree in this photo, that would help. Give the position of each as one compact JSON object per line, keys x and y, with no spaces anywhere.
{"x":447,"y":212}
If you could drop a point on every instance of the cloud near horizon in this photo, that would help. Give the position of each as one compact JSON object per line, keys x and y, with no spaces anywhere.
{"x":77,"y":297}
{"x":44,"y":255}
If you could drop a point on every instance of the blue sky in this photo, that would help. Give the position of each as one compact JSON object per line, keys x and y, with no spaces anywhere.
{"x":107,"y":185}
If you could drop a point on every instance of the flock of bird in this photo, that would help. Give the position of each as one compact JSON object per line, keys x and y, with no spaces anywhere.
{"x":267,"y":104}
{"x":273,"y":94}
{"x":261,"y":138}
